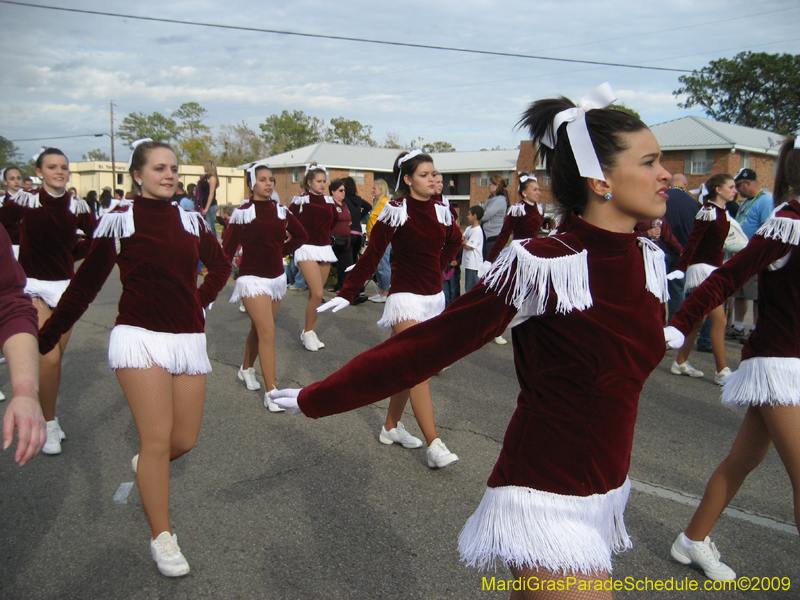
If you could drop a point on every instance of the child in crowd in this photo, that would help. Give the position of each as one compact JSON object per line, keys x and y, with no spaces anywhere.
{"x":473,"y":247}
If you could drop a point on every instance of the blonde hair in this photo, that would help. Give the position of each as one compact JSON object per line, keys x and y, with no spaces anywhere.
{"x":210,"y":167}
{"x":381,"y":185}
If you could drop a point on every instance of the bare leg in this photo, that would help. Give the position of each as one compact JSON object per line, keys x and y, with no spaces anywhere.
{"x":740,"y":309}
{"x":783,"y":424}
{"x":578,"y":586}
{"x":262,"y":311}
{"x":315,"y":275}
{"x":50,"y":366}
{"x":717,"y":336}
{"x":250,"y":346}
{"x":688,"y":344}
{"x":421,"y":401}
{"x":749,"y":449}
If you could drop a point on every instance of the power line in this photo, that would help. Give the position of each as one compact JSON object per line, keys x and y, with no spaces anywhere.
{"x":60,"y":137}
{"x":343,"y":38}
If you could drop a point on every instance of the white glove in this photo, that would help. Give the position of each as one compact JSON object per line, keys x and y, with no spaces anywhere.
{"x":350,"y":268}
{"x":484,"y":268}
{"x":676,"y":275}
{"x":336,"y":304}
{"x":286,"y":398}
{"x":673,"y":337}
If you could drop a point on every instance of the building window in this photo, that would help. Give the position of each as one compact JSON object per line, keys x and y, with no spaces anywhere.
{"x":745,"y":160}
{"x":544,"y":180}
{"x":120,"y":178}
{"x":358,"y":177}
{"x":297,"y":174}
{"x":699,"y":162}
{"x":482,"y":179}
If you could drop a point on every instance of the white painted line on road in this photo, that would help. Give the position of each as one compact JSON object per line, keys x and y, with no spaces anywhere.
{"x":694,"y":501}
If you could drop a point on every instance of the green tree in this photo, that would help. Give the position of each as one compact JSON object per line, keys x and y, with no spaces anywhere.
{"x":754,"y":89}
{"x":196,"y":150}
{"x":155,"y":125}
{"x":9,"y":152}
{"x":191,"y":115}
{"x":238,"y":144}
{"x":393,"y":141}
{"x":352,"y":133}
{"x":290,"y":130}
{"x":438,"y":147}
{"x":625,"y":109}
{"x":96,"y":154}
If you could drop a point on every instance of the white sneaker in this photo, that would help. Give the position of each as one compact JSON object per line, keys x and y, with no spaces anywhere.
{"x":377,"y":298}
{"x":719,"y":378}
{"x":685,"y":369}
{"x":308,"y":341}
{"x":135,"y":463}
{"x":399,"y":435}
{"x":167,"y":554}
{"x":500,"y":340}
{"x":270,"y":405}
{"x":249,"y":378}
{"x":313,"y":334}
{"x":61,"y":433}
{"x":2,"y":396}
{"x":242,"y":308}
{"x":53,"y":443}
{"x":439,"y":456}
{"x":705,"y":555}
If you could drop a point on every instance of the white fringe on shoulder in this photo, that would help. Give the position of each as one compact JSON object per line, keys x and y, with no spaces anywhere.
{"x":48,"y":291}
{"x":517,"y":210}
{"x":117,"y":223}
{"x":782,"y":229}
{"x":405,"y":306}
{"x":242,"y":216}
{"x":697,"y":274}
{"x":529,"y":279}
{"x":178,"y":353}
{"x":763,"y":380}
{"x":315,"y":253}
{"x":78,"y":206}
{"x":250,"y":286}
{"x":300,"y":201}
{"x":192,"y":221}
{"x":655,"y":269}
{"x":443,"y":214}
{"x":282,"y":211}
{"x":706,"y":214}
{"x":563,"y":534}
{"x":27,"y":199}
{"x":394,"y":216}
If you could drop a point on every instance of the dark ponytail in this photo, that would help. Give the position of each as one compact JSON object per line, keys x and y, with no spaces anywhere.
{"x":787,"y":177}
{"x":713,"y":183}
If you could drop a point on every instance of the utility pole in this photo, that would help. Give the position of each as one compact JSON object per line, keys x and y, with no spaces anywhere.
{"x":420,"y":142}
{"x":113,"y":163}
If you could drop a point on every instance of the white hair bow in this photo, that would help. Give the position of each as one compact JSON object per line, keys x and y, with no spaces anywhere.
{"x":578,"y":133}
{"x":525,"y":178}
{"x":312,"y":167}
{"x":133,"y":148}
{"x":400,"y":162}
{"x":38,"y":154}
{"x":703,"y":193}
{"x":252,"y":171}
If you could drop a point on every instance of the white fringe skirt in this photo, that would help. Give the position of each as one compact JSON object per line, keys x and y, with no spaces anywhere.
{"x":48,"y":291}
{"x":315,"y":253}
{"x":15,"y":250}
{"x":250,"y":286}
{"x":773,"y":381}
{"x":177,"y":353}
{"x":563,"y":534}
{"x":697,"y":274}
{"x":404,"y":306}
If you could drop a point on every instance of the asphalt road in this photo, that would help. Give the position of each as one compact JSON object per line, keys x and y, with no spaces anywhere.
{"x":279,"y":506}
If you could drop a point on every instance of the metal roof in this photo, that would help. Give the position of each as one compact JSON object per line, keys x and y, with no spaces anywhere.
{"x":697,"y":133}
{"x":366,"y":158}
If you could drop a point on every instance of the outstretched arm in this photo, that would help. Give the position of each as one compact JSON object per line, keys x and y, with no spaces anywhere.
{"x":24,"y":412}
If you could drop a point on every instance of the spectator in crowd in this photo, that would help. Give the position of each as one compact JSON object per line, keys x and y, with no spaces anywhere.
{"x":494,"y":212}
{"x":473,"y":245}
{"x":383,"y":275}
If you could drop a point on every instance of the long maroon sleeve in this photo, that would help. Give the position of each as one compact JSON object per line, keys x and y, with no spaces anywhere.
{"x":706,"y":240}
{"x":17,"y":313}
{"x":520,"y":226}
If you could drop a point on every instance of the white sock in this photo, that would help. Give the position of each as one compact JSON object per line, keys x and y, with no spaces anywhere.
{"x":738,"y":324}
{"x":689,"y":542}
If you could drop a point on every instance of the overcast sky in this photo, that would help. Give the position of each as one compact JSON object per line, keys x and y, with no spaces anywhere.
{"x":60,"y":70}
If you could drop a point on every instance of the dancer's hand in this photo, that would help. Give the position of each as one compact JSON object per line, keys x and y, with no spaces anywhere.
{"x":286,"y":398}
{"x":350,"y":268}
{"x":336,"y":304}
{"x":676,"y":275}
{"x":484,"y":268}
{"x":673,"y":337}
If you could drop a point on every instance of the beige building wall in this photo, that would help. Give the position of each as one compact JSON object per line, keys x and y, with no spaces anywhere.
{"x":96,"y":175}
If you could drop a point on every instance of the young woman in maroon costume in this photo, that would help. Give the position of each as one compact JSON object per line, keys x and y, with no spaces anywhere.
{"x":49,"y":222}
{"x":10,"y":213}
{"x":767,"y":382}
{"x":158,"y":345}
{"x":425,"y":237}
{"x":523,"y":221}
{"x":260,"y":227}
{"x":317,"y":214}
{"x":703,"y":254}
{"x":586,"y":307}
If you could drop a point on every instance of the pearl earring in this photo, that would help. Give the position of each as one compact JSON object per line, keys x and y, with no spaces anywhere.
{"x":139,"y":183}
{"x":608,"y":196}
